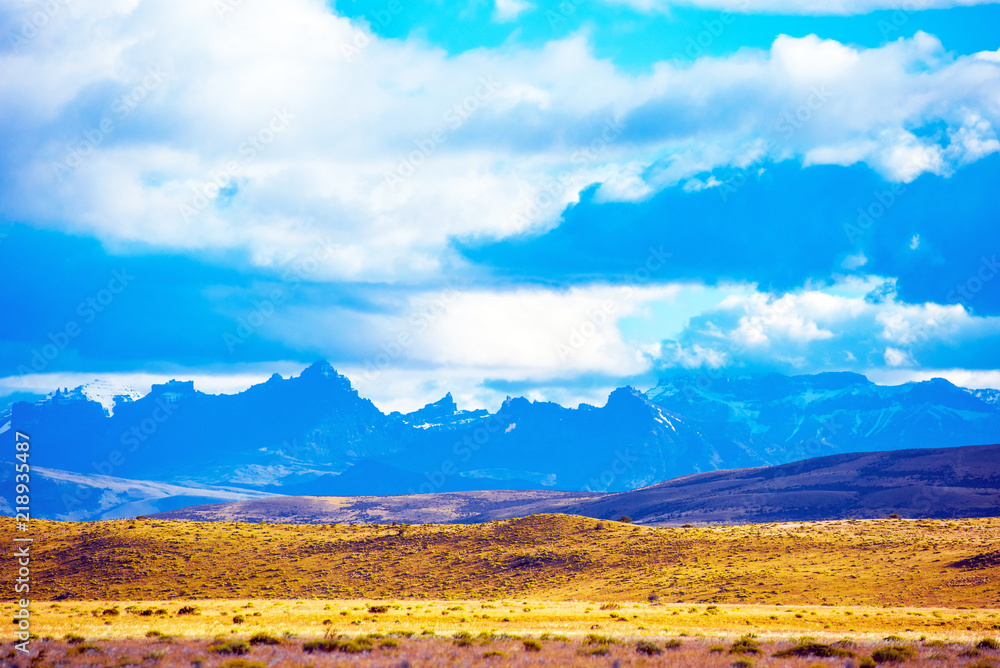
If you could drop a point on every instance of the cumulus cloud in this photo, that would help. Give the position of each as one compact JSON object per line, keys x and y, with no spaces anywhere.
{"x":268,"y":128}
{"x":839,"y":326}
{"x":508,"y":10}
{"x":805,"y":7}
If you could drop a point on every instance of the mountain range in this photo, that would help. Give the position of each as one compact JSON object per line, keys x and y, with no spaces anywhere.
{"x":102,"y":452}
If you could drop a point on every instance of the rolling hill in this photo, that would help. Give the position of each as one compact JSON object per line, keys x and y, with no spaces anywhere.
{"x":926,"y":483}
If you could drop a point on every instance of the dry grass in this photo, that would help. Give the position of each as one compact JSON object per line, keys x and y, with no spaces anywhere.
{"x":489,"y":650}
{"x":921,"y":563}
{"x":307,"y":619}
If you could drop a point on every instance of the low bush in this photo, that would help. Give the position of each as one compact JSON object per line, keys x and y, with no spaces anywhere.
{"x":531,"y":645}
{"x":893,"y":654}
{"x":648,"y":647}
{"x":813,"y":649}
{"x":229,"y":647}
{"x":356,"y":646}
{"x":745,"y":645}
{"x":264,"y":638}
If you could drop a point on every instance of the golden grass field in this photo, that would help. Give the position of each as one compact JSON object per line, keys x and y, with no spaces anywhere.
{"x":931,"y":585}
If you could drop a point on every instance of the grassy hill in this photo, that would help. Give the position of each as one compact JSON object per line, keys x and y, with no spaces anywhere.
{"x":555,"y":557}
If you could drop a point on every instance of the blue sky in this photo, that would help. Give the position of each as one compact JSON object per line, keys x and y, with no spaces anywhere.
{"x":497,"y":197}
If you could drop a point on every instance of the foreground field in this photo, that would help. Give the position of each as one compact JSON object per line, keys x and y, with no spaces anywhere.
{"x":119,"y":620}
{"x":401,"y":651}
{"x":922,"y":563}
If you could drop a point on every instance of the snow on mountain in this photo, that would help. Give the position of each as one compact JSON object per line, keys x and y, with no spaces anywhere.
{"x":987,"y":396}
{"x":108,"y":394}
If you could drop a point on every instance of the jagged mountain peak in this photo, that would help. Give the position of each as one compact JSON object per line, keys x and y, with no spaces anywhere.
{"x":323,"y":371}
{"x":103,"y":392}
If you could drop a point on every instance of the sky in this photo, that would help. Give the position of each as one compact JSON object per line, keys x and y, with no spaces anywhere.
{"x":497,"y":197}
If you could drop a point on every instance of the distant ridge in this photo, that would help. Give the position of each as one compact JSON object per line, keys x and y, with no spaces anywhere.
{"x":925,"y":483}
{"x":314,"y":435}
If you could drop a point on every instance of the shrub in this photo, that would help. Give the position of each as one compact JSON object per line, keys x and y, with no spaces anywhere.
{"x":743,"y":662}
{"x":745,"y":645}
{"x":153,"y":633}
{"x":492,"y":653}
{"x":356,"y":646}
{"x":866,"y":662}
{"x":73,"y":639}
{"x":647,"y":647}
{"x":377,"y":609}
{"x":673,"y":643}
{"x":610,"y":606}
{"x":531,"y":645}
{"x":463,"y":638}
{"x":187,"y":610}
{"x":625,"y":519}
{"x":716,"y":649}
{"x":892,"y":654}
{"x":988,"y":643}
{"x":813,"y":649}
{"x":264,"y":638}
{"x":239,"y":619}
{"x":82,"y":649}
{"x":229,"y":647}
{"x":595,"y":639}
{"x":600,"y":650}
{"x":242,"y":663}
{"x":388,"y":643}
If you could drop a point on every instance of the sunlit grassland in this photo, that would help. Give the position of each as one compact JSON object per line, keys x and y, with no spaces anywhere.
{"x":111,"y":620}
{"x":917,"y":563}
{"x":544,"y":590}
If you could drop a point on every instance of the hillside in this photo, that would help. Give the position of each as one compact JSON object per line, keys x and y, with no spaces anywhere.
{"x":410,"y":509}
{"x":939,"y":483}
{"x":553,"y":557}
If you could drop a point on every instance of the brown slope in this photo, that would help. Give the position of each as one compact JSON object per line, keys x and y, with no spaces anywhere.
{"x":931,"y":483}
{"x":411,"y":509}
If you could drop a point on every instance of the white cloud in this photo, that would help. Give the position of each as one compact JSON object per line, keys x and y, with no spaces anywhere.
{"x":508,"y":10}
{"x":220,"y":379}
{"x":896,"y":357}
{"x":805,"y":7}
{"x":499,"y":141}
{"x":855,"y":261}
{"x":915,"y":242}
